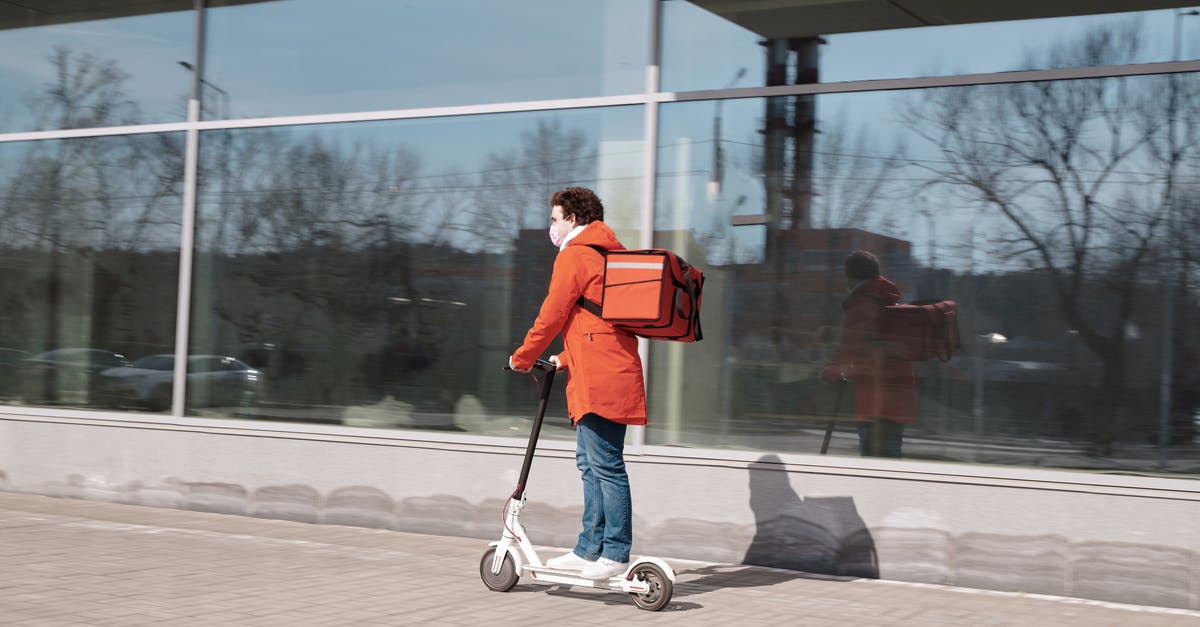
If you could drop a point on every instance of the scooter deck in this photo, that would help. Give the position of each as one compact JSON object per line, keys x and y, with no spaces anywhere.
{"x":573,"y":578}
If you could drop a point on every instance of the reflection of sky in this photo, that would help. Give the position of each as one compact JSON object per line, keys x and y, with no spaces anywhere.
{"x":374,"y":54}
{"x":147,"y":48}
{"x":302,"y":56}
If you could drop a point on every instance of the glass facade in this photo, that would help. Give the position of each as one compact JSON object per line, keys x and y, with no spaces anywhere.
{"x":376,"y":270}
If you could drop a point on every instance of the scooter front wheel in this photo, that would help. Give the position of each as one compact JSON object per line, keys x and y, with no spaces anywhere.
{"x":659,"y":594}
{"x":502,"y":581}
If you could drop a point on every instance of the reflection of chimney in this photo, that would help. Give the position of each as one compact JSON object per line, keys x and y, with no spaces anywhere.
{"x":789,"y":126}
{"x":789,"y":130}
{"x":804,"y":128}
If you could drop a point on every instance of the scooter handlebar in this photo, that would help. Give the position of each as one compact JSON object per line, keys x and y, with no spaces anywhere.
{"x":541,"y":364}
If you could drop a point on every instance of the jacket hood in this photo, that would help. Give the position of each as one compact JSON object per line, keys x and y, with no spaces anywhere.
{"x":597,"y":234}
{"x":878,"y":288}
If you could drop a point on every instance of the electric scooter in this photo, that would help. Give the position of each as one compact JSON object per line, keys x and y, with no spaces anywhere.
{"x":649,"y":581}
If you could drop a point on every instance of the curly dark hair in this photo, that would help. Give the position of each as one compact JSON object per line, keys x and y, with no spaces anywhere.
{"x":580,"y":202}
{"x":862,"y":265}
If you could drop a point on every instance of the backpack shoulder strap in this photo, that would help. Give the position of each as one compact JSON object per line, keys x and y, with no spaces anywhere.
{"x":588,"y":304}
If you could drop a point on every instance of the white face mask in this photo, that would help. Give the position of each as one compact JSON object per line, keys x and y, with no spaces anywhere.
{"x":559,"y":227}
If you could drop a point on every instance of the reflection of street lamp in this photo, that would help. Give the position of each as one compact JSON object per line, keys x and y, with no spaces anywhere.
{"x":718,"y":168}
{"x":223,"y":110}
{"x":982,"y":341}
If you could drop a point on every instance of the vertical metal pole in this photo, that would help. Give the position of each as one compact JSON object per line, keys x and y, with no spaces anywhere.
{"x":649,"y":176}
{"x":187,"y":232}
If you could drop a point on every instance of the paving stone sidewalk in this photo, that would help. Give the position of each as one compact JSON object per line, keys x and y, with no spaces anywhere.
{"x":70,"y":562}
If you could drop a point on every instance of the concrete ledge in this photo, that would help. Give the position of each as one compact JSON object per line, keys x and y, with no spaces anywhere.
{"x":1115,"y":538}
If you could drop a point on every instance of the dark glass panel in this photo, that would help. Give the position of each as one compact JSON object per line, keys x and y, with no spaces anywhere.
{"x":89,"y":254}
{"x":379,"y":274}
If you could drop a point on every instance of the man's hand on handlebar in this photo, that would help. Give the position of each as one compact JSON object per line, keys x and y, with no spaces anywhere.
{"x":544,"y":365}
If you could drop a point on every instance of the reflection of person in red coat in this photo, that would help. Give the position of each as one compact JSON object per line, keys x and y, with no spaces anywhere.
{"x":605,"y":391}
{"x":885,"y":390}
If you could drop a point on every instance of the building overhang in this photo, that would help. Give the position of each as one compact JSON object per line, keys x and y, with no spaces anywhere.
{"x":773,"y":19}
{"x":792,"y":19}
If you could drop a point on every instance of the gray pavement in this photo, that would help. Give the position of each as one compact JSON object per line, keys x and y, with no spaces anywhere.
{"x":69,"y":562}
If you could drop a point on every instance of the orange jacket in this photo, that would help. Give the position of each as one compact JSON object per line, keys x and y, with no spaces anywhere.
{"x":883,"y":387}
{"x":603,"y":366}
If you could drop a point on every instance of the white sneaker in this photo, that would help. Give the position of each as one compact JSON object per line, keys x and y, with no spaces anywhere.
{"x":603,"y":568}
{"x":570,"y":561}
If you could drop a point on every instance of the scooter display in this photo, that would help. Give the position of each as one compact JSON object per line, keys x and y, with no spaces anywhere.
{"x":649,"y":581}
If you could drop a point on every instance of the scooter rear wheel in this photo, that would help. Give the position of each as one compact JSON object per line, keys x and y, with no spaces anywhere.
{"x":659,"y":594}
{"x":502,"y":581}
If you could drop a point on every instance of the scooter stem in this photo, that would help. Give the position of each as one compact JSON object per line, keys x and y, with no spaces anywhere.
{"x":544,"y":386}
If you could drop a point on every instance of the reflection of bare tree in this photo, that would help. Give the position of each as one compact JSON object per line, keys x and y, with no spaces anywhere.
{"x":1080,"y":173}
{"x":296,"y":195}
{"x":94,"y":194}
{"x":325,"y":234}
{"x":86,"y":92}
{"x":849,"y":180}
{"x":515,"y":186}
{"x":78,"y":201}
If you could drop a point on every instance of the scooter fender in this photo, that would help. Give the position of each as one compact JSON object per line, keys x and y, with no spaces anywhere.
{"x":666,"y":568}
{"x":519,"y":561}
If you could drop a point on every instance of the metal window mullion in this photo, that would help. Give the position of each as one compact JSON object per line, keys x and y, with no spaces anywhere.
{"x":649,"y":177}
{"x":186,"y":241}
{"x":928,"y":82}
{"x":651,"y":96}
{"x":191,"y":163}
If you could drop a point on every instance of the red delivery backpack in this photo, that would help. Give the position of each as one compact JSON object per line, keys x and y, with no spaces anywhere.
{"x":921,"y":330}
{"x":651,"y":293}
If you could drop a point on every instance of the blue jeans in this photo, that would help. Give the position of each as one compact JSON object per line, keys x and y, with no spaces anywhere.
{"x":880,"y":437}
{"x":607,"y":509}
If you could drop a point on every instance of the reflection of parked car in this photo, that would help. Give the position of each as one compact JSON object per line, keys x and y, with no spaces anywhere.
{"x":212,"y":380}
{"x":10,"y":371}
{"x":67,"y":375}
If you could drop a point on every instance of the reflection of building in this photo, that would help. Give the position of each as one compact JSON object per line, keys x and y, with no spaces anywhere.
{"x":355,"y":193}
